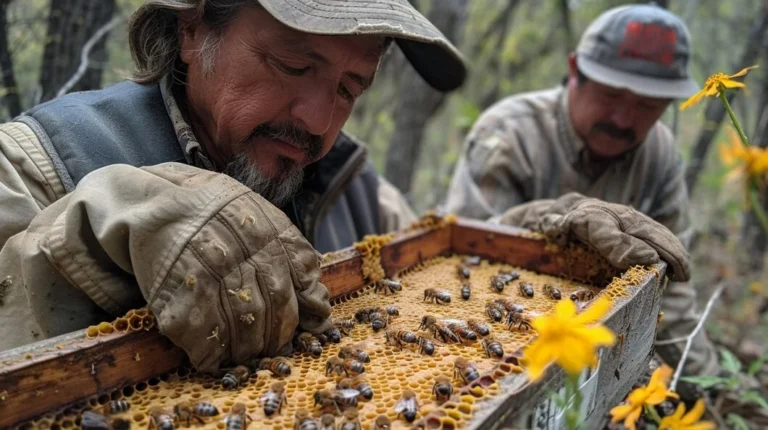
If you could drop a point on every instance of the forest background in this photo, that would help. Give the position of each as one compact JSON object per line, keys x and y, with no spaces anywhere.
{"x":415,"y":134}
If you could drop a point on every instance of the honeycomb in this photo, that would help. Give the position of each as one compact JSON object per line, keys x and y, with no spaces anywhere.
{"x":134,"y":320}
{"x":370,"y":250}
{"x":390,"y":370}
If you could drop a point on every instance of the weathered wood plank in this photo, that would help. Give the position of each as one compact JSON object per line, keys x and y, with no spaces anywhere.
{"x":413,"y":248}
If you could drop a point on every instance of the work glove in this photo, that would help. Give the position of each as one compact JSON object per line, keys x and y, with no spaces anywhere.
{"x":226,"y":274}
{"x":620,"y":234}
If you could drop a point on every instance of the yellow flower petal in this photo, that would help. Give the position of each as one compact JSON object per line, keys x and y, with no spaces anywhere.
{"x":565,"y":309}
{"x":703,"y":425}
{"x":620,"y":412}
{"x":692,"y":100}
{"x":695,"y":413}
{"x":594,"y":312}
{"x":743,"y":71}
{"x":631,"y":421}
{"x":727,"y":83}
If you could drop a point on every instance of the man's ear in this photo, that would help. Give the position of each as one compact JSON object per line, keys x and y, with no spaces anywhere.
{"x":572,"y":67}
{"x":192,"y":34}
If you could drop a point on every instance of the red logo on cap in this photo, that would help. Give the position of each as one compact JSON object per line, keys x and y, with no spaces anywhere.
{"x":650,"y":42}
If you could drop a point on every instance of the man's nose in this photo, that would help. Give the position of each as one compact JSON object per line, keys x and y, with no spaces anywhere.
{"x":315,"y":107}
{"x":623,"y":116}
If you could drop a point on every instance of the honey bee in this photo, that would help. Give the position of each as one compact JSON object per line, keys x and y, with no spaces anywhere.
{"x":344,"y":326}
{"x":552,"y":292}
{"x":426,"y":346}
{"x":439,"y":329}
{"x":492,"y":347}
{"x":407,"y":406}
{"x":464,"y":370}
{"x":96,"y":421}
{"x":473,"y":260}
{"x":498,"y":284}
{"x":235,"y":377}
{"x":362,"y":356}
{"x":365,"y":389}
{"x":479,"y":327}
{"x":274,"y":399}
{"x":322,"y":338}
{"x":333,"y":334}
{"x":185,"y":412}
{"x":509,"y":275}
{"x":463,"y":272}
{"x":462,"y":330}
{"x":526,"y":290}
{"x":466,"y":291}
{"x":363,"y":315}
{"x":353,"y":367}
{"x":400,"y":338}
{"x":238,"y":417}
{"x":302,"y":420}
{"x":382,"y":423}
{"x":493,"y":312}
{"x":439,"y":296}
{"x":508,"y":305}
{"x":443,"y":389}
{"x":278,"y":366}
{"x":116,"y":406}
{"x":379,"y":321}
{"x":392,"y":311}
{"x":388,"y":286}
{"x":518,"y":318}
{"x":325,"y":398}
{"x":160,"y":419}
{"x":350,"y":421}
{"x":582,"y":296}
{"x":328,"y":422}
{"x":346,"y":398}
{"x":354,"y":353}
{"x":308,"y":343}
{"x":335,"y":364}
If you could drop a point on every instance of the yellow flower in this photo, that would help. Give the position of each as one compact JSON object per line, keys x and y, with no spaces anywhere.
{"x":749,"y":160}
{"x":654,"y":393}
{"x":714,"y":84}
{"x":568,"y":338}
{"x":690,"y":421}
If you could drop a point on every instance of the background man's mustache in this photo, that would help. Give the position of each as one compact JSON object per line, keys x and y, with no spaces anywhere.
{"x":617,"y":133}
{"x":312,"y":144}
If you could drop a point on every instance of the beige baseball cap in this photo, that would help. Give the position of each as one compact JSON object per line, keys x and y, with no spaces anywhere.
{"x":434,"y":57}
{"x":642,"y":48}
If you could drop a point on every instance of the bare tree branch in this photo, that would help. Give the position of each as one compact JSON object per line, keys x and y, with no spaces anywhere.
{"x":101,"y":32}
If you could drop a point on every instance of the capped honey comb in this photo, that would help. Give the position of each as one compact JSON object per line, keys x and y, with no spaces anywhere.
{"x":390,"y":370}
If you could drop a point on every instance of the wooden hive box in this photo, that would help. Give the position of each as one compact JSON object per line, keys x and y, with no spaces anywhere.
{"x":54,"y":374}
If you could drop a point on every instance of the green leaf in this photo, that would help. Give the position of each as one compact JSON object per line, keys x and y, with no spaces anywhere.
{"x":736,"y":422}
{"x":705,"y":381}
{"x":756,"y":398}
{"x":730,"y":362}
{"x":757,"y":365}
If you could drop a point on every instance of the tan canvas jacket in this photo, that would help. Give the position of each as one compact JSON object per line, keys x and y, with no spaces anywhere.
{"x":524,"y":148}
{"x":162,"y":235}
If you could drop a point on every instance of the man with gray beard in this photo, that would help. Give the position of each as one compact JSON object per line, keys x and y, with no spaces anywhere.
{"x":203,"y":187}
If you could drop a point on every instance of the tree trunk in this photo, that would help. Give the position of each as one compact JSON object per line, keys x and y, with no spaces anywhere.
{"x":715,"y":111}
{"x":11,"y":98}
{"x":418,"y":101}
{"x":70,"y":24}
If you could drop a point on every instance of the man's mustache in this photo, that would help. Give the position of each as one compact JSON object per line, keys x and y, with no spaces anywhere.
{"x":616,"y":132}
{"x":312,"y":144}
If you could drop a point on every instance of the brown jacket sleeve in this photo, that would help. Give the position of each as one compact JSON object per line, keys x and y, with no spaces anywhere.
{"x":224,"y":271}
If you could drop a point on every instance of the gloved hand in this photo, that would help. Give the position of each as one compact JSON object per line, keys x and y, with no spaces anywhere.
{"x":622,"y":235}
{"x":226,"y":274}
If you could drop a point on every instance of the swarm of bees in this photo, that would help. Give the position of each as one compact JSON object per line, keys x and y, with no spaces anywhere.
{"x":336,"y":406}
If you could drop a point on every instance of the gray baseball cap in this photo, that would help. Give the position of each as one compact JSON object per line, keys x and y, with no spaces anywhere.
{"x":429,"y":51}
{"x":642,"y":48}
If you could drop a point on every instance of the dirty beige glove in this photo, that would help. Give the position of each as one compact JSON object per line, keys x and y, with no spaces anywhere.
{"x":226,"y":273}
{"x":622,"y":235}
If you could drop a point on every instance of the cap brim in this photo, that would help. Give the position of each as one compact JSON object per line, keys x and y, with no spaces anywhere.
{"x":641,"y":85}
{"x":437,"y":61}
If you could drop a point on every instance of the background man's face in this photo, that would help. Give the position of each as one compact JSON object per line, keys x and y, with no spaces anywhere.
{"x":611,"y":121}
{"x":277,"y":98}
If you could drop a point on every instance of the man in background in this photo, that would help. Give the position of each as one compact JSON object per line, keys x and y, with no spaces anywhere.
{"x":599,"y":135}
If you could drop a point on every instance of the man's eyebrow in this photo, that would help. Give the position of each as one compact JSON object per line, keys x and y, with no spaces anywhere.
{"x":364,"y":82}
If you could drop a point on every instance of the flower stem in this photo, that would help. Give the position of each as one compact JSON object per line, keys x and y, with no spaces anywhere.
{"x":732,"y":115}
{"x":651,"y":413}
{"x":573,"y":411}
{"x":757,"y":207}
